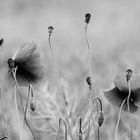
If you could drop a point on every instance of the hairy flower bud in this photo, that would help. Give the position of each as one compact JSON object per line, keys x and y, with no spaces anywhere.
{"x":100,"y":118}
{"x":87,"y":18}
{"x":32,"y":106}
{"x":89,"y":82}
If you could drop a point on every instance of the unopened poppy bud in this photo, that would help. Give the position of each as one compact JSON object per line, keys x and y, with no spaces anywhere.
{"x":87,"y":18}
{"x":32,"y":106}
{"x":50,"y":29}
{"x":100,"y":118}
{"x":1,"y":41}
{"x":129,"y":74}
{"x":89,"y":82}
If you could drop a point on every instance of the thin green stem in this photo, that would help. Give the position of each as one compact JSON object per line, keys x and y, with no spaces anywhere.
{"x":16,"y":83}
{"x":25,"y":117}
{"x":101,"y":107}
{"x":98,"y":132}
{"x":118,"y":121}
{"x":131,"y":127}
{"x":58,"y":83}
{"x":18,"y":118}
{"x":88,"y":46}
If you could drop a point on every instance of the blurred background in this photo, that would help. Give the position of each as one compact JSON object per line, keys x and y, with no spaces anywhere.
{"x":113,"y":34}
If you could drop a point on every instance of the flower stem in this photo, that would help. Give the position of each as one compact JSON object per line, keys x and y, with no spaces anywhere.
{"x":59,"y":129}
{"x":131,"y":127}
{"x":18,"y":119}
{"x":25,"y":117}
{"x":118,"y":121}
{"x":59,"y":86}
{"x":6,"y":130}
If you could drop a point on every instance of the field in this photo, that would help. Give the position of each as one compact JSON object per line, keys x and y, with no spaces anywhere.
{"x":113,"y":34}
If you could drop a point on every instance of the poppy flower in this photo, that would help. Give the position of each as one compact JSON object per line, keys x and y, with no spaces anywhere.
{"x":121,"y":90}
{"x":27,"y":62}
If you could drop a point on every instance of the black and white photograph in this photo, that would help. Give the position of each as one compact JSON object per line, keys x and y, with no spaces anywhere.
{"x":69,"y":69}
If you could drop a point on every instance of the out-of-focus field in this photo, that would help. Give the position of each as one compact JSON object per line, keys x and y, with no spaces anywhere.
{"x":113,"y":33}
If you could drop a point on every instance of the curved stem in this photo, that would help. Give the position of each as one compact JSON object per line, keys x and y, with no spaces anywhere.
{"x":118,"y":121}
{"x":18,"y":118}
{"x":25,"y":117}
{"x":101,"y":107}
{"x":58,"y":83}
{"x":59,"y":129}
{"x":16,"y":83}
{"x":131,"y":127}
{"x":98,"y":131}
{"x":88,"y":46}
{"x":6,"y":130}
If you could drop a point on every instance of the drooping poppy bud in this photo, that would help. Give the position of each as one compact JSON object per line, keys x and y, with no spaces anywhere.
{"x":32,"y":105}
{"x":100,"y":118}
{"x":87,"y":18}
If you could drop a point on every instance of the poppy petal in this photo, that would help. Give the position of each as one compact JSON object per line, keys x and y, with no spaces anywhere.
{"x":136,"y":97}
{"x":29,"y":71}
{"x":116,"y":97}
{"x":24,"y":52}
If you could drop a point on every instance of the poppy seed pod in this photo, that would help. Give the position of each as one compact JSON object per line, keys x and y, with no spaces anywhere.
{"x":100,"y":118}
{"x":87,"y":18}
{"x":129,"y":73}
{"x":50,"y":29}
{"x":32,"y":105}
{"x":27,"y":62}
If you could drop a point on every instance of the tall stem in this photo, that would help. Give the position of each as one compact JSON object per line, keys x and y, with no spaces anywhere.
{"x":131,"y":127}
{"x":18,"y":117}
{"x":118,"y":121}
{"x":59,"y":86}
{"x":6,"y":130}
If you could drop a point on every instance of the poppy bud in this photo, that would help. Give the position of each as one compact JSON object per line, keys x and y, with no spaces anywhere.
{"x":87,"y":18}
{"x":100,"y":118}
{"x":1,"y":41}
{"x":32,"y":106}
{"x":50,"y":29}
{"x":129,"y":74}
{"x":89,"y":82}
